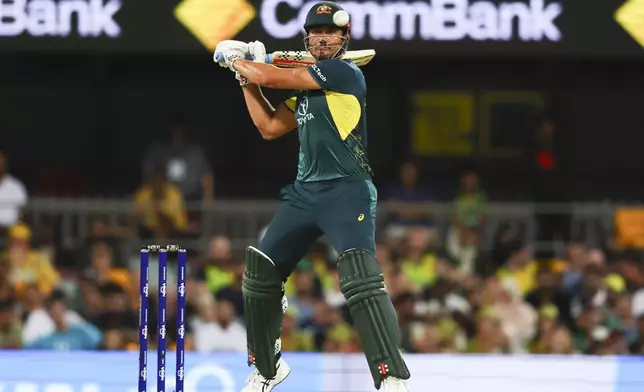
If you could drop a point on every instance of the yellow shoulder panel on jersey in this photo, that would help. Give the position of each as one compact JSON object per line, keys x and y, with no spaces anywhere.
{"x":290,"y":103}
{"x":345,"y":110}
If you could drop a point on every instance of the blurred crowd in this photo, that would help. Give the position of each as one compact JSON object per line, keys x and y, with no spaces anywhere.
{"x":464,"y":287}
{"x":451,"y":294}
{"x":585,"y":302}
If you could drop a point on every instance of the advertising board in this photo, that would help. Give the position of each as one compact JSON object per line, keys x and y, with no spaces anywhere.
{"x":391,"y":27}
{"x":34,"y":371}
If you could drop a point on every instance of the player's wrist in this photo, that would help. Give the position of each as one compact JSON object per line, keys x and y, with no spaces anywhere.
{"x":250,"y":86}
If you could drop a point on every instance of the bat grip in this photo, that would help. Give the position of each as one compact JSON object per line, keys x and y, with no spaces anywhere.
{"x":220,"y":57}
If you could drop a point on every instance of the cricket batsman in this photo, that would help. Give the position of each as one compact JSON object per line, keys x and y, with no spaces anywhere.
{"x":332,"y":195}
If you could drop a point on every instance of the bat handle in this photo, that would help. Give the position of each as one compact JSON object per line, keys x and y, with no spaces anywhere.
{"x":220,"y":57}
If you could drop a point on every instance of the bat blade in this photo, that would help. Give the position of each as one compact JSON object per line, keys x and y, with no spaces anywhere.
{"x":301,"y":58}
{"x":291,"y":59}
{"x":360,"y":57}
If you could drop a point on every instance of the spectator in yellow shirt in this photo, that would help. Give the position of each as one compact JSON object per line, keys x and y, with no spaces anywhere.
{"x":28,"y":266}
{"x":520,"y":270}
{"x":160,"y":208}
{"x":294,"y":338}
{"x":218,"y":269}
{"x":418,"y":262}
{"x":317,"y":262}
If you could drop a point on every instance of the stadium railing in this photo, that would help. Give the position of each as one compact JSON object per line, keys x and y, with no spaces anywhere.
{"x":243,"y":221}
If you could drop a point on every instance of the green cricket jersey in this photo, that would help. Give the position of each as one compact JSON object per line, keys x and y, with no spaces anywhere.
{"x":332,"y":123}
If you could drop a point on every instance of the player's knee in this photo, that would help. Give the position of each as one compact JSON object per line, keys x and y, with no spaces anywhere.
{"x":261,"y":278}
{"x":349,"y":245}
{"x":359,"y":238}
{"x":360,"y":276}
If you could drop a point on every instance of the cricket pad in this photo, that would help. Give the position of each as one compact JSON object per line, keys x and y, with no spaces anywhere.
{"x":374,"y":317}
{"x":262,"y":291}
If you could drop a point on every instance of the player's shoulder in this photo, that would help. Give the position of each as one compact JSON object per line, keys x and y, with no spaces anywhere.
{"x":339,"y":75}
{"x":346,"y":70}
{"x":355,"y":68}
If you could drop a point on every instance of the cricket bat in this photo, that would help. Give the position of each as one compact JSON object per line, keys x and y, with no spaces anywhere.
{"x":295,"y":58}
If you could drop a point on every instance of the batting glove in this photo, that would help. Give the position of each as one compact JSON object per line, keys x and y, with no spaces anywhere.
{"x":226,"y":46}
{"x":232,"y":55}
{"x":258,"y":51}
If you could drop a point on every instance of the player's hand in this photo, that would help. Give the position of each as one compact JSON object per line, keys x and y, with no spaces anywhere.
{"x":226,"y":46}
{"x":258,"y":51}
{"x":232,"y":55}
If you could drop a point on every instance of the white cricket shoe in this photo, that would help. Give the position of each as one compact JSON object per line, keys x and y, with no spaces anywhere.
{"x":258,"y":383}
{"x":393,"y":384}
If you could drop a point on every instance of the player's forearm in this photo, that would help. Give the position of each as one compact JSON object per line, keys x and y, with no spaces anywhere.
{"x":260,"y":110}
{"x":256,"y":73}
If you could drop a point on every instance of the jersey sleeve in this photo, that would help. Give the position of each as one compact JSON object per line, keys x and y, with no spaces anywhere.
{"x":335,"y":75}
